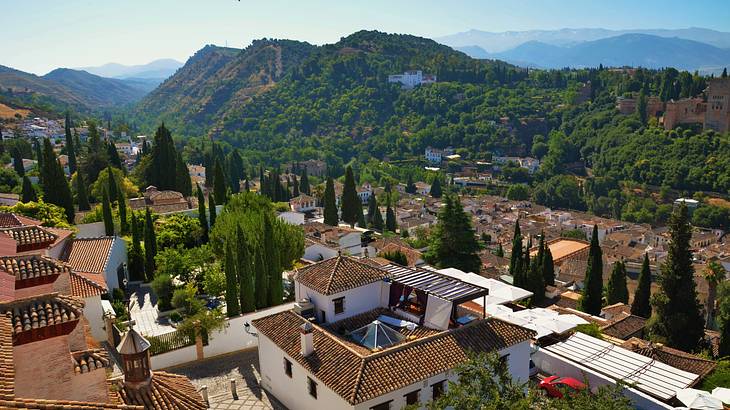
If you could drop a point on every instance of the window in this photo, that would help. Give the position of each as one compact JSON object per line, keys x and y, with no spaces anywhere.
{"x":312,"y":387}
{"x":324,"y":317}
{"x":339,"y":305}
{"x":437,"y":390}
{"x":287,"y":367}
{"x":412,"y":397}
{"x":382,"y":406}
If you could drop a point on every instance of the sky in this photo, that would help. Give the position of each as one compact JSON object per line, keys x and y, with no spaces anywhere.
{"x":40,"y":35}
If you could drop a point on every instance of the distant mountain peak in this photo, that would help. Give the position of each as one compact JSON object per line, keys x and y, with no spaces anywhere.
{"x":157,"y":69}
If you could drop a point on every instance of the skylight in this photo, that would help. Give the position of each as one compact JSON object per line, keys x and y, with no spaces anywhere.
{"x":376,"y":335}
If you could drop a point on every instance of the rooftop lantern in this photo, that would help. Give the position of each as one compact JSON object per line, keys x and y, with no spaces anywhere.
{"x":134,"y":350}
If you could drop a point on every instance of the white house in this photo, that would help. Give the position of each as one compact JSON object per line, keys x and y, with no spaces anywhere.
{"x":435,"y":155}
{"x":303,"y":203}
{"x":371,"y":338}
{"x":413,"y":78}
{"x":106,"y":256}
{"x":531,"y":164}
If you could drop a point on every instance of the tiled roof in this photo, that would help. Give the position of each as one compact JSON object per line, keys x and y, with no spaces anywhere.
{"x":672,"y":357}
{"x":625,"y":326}
{"x":31,"y":266}
{"x":7,"y":368}
{"x":30,"y":235}
{"x":39,"y":312}
{"x":166,"y":391}
{"x":88,"y":254}
{"x":359,"y":377}
{"x":10,"y":220}
{"x":338,"y":275}
{"x":89,"y":360}
{"x":42,"y":404}
{"x":84,"y":285}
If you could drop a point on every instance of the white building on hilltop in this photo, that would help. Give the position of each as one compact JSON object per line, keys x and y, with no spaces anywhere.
{"x":370,"y":337}
{"x":411,"y":79}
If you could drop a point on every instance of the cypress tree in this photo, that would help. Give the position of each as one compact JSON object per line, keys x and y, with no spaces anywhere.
{"x":163,"y":169}
{"x":136,"y":256}
{"x":295,"y":186}
{"x":122,"y":209}
{"x":150,"y":245}
{"x":29,"y":194}
{"x":436,"y":191}
{"x":212,"y":209}
{"x":454,"y":244}
{"x":219,"y":184}
{"x":350,"y":201}
{"x":410,"y":186}
{"x":55,"y":186}
{"x":106,"y":208}
{"x":39,"y":157}
{"x":70,"y":147}
{"x":372,"y":208}
{"x":232,"y":306}
{"x":235,"y":171}
{"x":592,"y":298}
{"x":677,"y":316}
{"x":114,"y":159}
{"x":304,"y":182}
{"x":112,"y":184}
{"x":390,"y":221}
{"x":616,"y":290}
{"x":275,"y":290}
{"x":18,"y":162}
{"x":500,"y":251}
{"x":548,"y":267}
{"x":262,"y":282}
{"x":536,"y":281}
{"x":182,"y":177}
{"x":202,"y":215}
{"x":82,"y":199}
{"x":243,"y":268}
{"x":330,"y":204}
{"x":641,"y":305}
{"x":377,"y":222}
{"x":516,"y":249}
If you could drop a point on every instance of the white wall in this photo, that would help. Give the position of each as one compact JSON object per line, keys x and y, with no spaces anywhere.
{"x":173,"y":358}
{"x":358,"y":300}
{"x":293,"y":218}
{"x":117,"y":256}
{"x":553,"y":364}
{"x":315,"y":251}
{"x":94,"y":313}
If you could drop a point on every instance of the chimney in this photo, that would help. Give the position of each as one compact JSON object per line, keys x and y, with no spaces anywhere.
{"x":307,"y":338}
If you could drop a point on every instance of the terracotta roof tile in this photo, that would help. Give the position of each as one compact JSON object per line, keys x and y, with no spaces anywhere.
{"x":41,"y":404}
{"x":90,"y":360}
{"x":166,"y":391}
{"x":88,"y":254}
{"x":339,"y":274}
{"x":625,"y":326}
{"x":42,"y":311}
{"x":7,"y":368}
{"x":35,"y":236}
{"x":672,"y":357}
{"x":84,"y":285}
{"x":31,"y":266}
{"x":358,"y":377}
{"x":10,"y":220}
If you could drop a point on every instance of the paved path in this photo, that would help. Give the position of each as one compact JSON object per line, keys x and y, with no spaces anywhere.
{"x":143,"y":310}
{"x":217,"y":372}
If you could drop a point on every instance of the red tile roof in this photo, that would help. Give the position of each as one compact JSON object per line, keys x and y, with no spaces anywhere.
{"x":7,"y":368}
{"x":358,"y":377}
{"x":41,"y":311}
{"x":84,"y":285}
{"x":34,"y":237}
{"x":338,"y":275}
{"x":31,"y":266}
{"x":166,"y":391}
{"x":10,"y":220}
{"x":88,"y":254}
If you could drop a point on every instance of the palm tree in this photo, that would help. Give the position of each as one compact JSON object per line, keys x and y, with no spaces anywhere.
{"x":714,"y":274}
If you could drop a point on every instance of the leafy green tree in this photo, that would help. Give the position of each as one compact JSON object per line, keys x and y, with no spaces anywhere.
{"x":436,"y":190}
{"x":136,"y":255}
{"x":122,"y":209}
{"x":351,"y":206}
{"x":453,"y":241}
{"x":55,"y":186}
{"x":82,"y":199}
{"x":677,"y":318}
{"x":516,"y":254}
{"x":150,"y":245}
{"x":330,"y":204}
{"x":396,"y":256}
{"x":202,"y":215}
{"x":390,"y":221}
{"x":212,"y":208}
{"x":51,"y":215}
{"x":245,"y":273}
{"x":723,"y":318}
{"x":94,"y":158}
{"x":178,"y":230}
{"x":518,"y":192}
{"x":107,"y":212}
{"x":29,"y":194}
{"x":70,"y":147}
{"x":163,"y":288}
{"x":500,"y":251}
{"x":304,"y":182}
{"x":641,"y":305}
{"x":591,"y":299}
{"x":232,"y":305}
{"x":219,"y":184}
{"x":616,"y":289}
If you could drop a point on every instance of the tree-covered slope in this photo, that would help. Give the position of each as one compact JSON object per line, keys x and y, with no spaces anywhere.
{"x":217,"y":79}
{"x":95,"y":91}
{"x":31,"y":90}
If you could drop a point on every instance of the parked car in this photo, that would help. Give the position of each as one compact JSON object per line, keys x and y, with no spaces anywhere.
{"x":556,"y":386}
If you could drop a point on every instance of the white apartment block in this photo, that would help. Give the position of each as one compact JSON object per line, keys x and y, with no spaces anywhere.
{"x":411,"y":79}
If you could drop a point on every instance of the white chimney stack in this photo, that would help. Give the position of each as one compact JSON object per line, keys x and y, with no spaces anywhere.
{"x":307,"y":338}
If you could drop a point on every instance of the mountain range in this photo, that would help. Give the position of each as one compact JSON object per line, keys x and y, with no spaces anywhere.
{"x":688,"y":49}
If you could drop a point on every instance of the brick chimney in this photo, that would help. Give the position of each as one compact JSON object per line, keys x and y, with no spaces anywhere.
{"x":307,"y":338}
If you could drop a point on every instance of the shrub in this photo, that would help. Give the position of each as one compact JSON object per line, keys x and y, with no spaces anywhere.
{"x":162,"y":285}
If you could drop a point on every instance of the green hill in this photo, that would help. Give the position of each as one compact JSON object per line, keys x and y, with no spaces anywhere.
{"x":95,"y":91}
